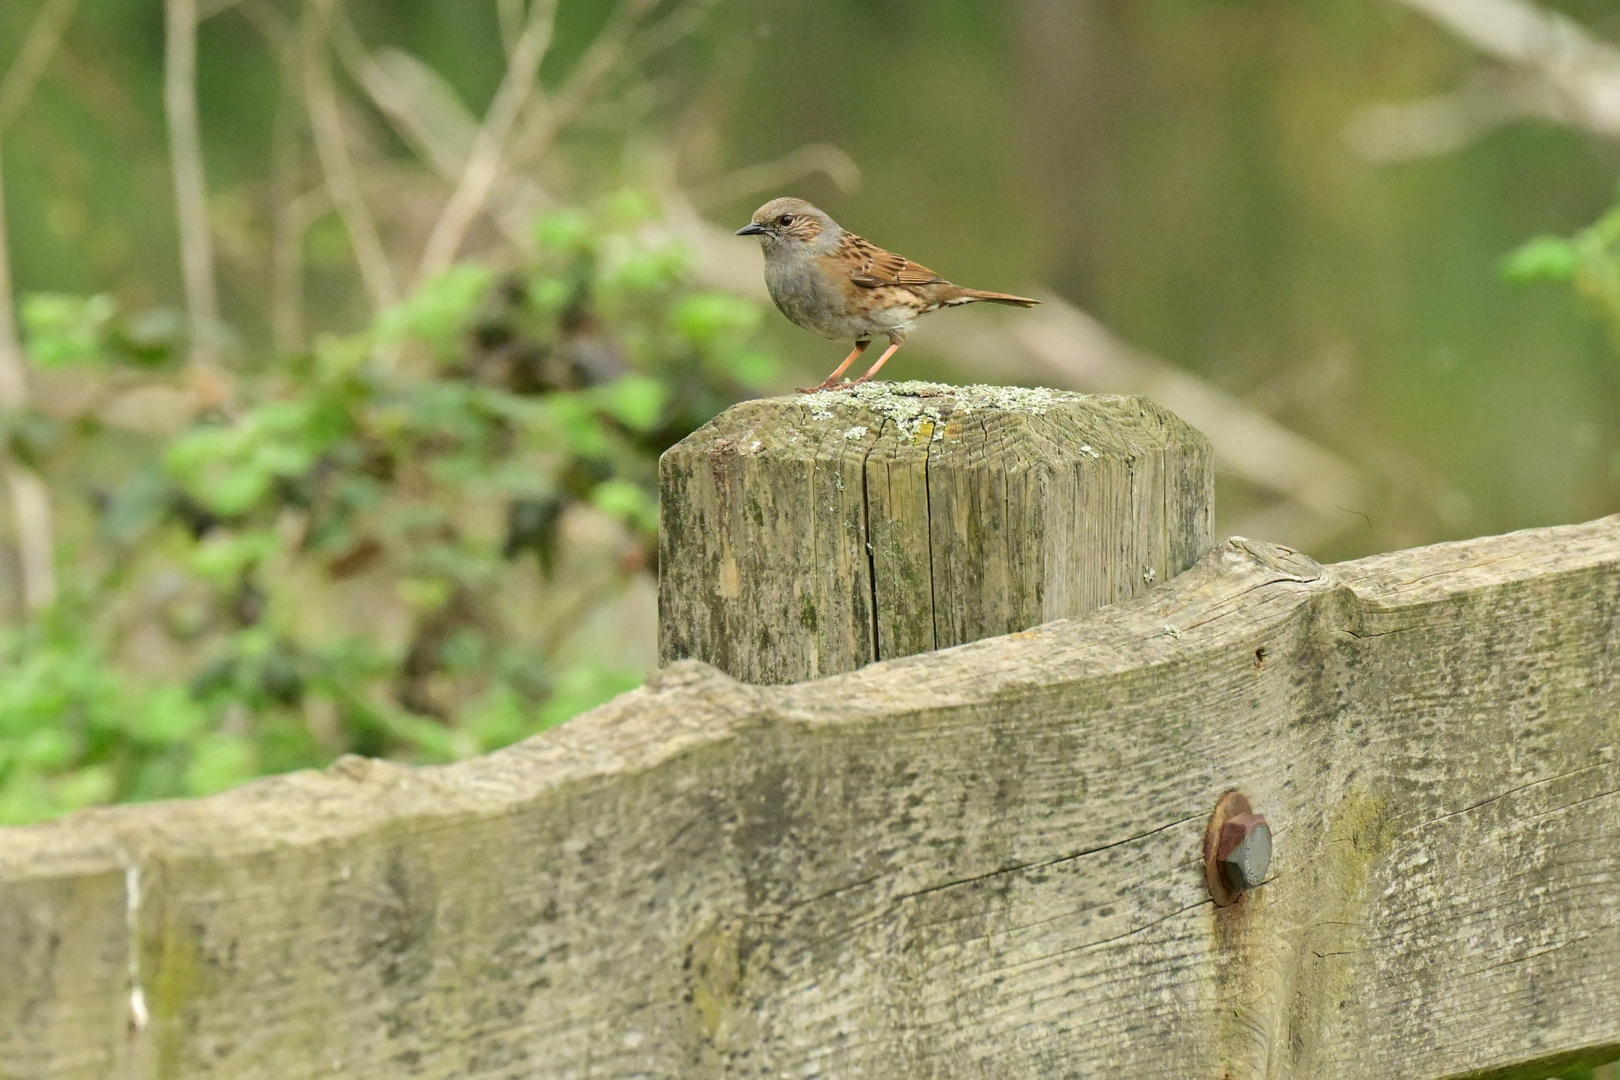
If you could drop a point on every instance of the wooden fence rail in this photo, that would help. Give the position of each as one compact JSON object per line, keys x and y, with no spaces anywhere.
{"x":977,"y":862}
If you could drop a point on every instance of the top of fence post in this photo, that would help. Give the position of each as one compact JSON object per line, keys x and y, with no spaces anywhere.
{"x":808,"y":535}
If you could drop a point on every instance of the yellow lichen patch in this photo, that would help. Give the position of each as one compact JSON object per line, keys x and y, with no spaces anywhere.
{"x":1359,"y":833}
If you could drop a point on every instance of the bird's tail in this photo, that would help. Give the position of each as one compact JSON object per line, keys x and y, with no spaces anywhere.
{"x":968,"y":296}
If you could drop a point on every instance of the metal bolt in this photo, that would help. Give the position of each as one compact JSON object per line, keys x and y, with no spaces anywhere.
{"x":1237,"y":849}
{"x":1244,"y":851}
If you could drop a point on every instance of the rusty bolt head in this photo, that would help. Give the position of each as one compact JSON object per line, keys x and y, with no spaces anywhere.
{"x":1237,"y":849}
{"x":1244,"y":852}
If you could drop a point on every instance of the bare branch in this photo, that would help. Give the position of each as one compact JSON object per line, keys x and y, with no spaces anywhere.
{"x":287,"y":243}
{"x":422,"y":107}
{"x":599,"y":61}
{"x":484,"y":160}
{"x":1575,"y":64}
{"x":30,"y":499}
{"x":332,"y":148}
{"x":1443,"y":123}
{"x":431,"y":119}
{"x":510,"y":14}
{"x":44,"y":38}
{"x":291,"y":213}
{"x":190,"y":187}
{"x":207,"y":9}
{"x":36,"y":547}
{"x":670,"y":31}
{"x":822,"y":158}
{"x":13,"y":365}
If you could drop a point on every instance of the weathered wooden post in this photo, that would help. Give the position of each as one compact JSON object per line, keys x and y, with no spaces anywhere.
{"x":809,"y":535}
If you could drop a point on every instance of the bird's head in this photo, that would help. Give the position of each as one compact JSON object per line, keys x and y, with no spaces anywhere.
{"x":785,"y":224}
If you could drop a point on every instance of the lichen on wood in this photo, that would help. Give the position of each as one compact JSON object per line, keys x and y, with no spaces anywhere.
{"x":809,"y":535}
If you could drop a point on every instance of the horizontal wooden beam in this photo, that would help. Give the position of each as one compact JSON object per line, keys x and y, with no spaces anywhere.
{"x":983,"y":862}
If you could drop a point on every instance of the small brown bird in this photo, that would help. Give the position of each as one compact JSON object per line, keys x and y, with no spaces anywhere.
{"x":845,"y":287}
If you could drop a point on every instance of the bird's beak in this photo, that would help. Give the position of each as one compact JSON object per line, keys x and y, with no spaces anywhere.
{"x":751,"y":229}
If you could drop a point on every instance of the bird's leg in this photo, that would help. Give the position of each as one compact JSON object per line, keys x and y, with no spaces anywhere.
{"x":884,"y":359}
{"x":860,"y":347}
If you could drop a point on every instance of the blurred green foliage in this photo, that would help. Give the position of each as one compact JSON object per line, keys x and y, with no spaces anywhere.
{"x":1180,"y":170}
{"x":1589,"y":260}
{"x":421,"y":469}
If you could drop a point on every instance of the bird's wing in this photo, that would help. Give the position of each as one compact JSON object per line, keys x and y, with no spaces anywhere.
{"x":871,"y":267}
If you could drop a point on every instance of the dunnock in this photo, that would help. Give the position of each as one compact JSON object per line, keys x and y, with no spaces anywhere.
{"x":843,"y":286}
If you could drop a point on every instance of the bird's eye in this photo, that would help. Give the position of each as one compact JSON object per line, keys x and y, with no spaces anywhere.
{"x":785,"y":219}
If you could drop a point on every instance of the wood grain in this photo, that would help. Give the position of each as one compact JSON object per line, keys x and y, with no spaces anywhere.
{"x":810,"y":535}
{"x":976,"y":863}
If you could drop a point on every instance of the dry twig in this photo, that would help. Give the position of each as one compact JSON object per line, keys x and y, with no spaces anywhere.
{"x":599,"y":61}
{"x":1557,"y":71}
{"x":44,"y":38}
{"x":823,"y":158}
{"x":207,"y":9}
{"x":511,"y":18}
{"x":431,"y":119}
{"x":293,"y":213}
{"x":326,"y":122}
{"x":190,"y":187}
{"x":30,"y":499}
{"x":484,"y":160}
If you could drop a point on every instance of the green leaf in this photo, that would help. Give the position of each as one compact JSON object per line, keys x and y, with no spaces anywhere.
{"x":440,"y":311}
{"x":63,"y":330}
{"x":25,"y":798}
{"x":1546,"y":258}
{"x":89,"y":786}
{"x":632,"y":267}
{"x":500,"y":718}
{"x":636,"y":401}
{"x":563,"y":232}
{"x":630,"y":206}
{"x":45,"y":749}
{"x":167,"y":716}
{"x":218,"y":762}
{"x":706,"y":317}
{"x":223,"y":558}
{"x":230,"y":468}
{"x":629,"y":502}
{"x":550,"y":295}
{"x":155,"y":336}
{"x":574,"y":418}
{"x":583,"y":686}
{"x":750,"y":367}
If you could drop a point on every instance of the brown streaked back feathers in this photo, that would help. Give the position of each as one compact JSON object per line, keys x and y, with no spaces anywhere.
{"x":871,"y":267}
